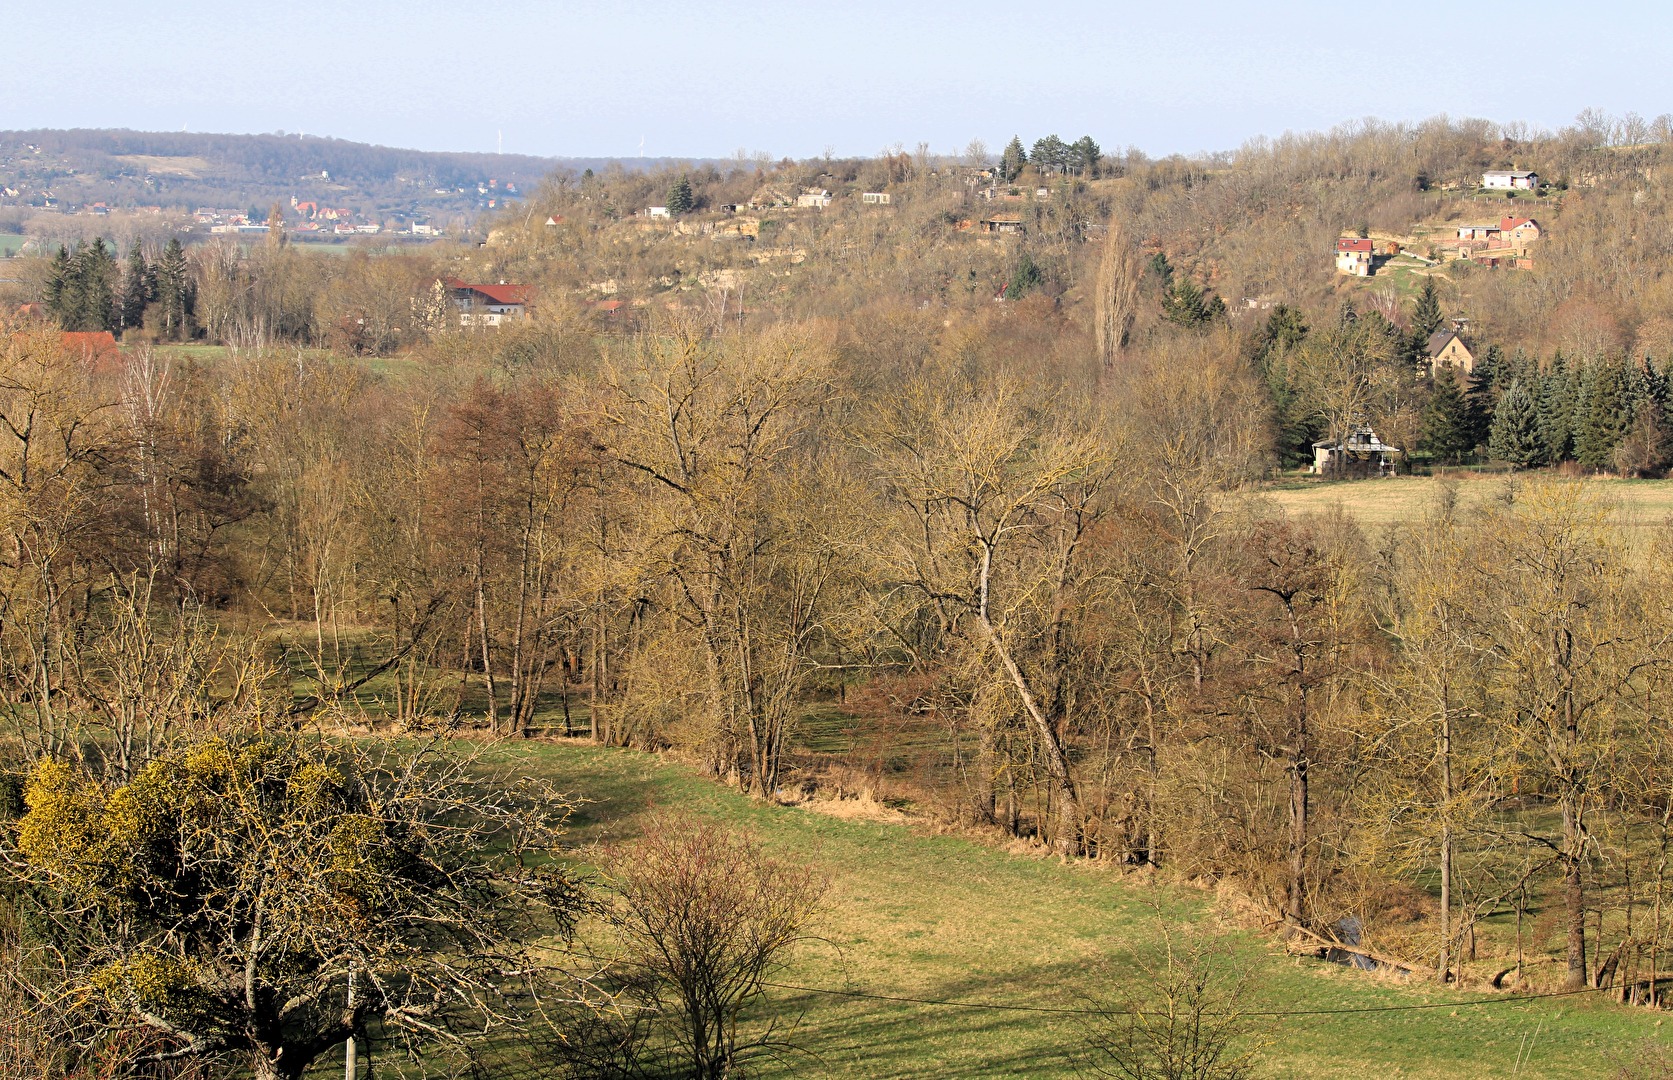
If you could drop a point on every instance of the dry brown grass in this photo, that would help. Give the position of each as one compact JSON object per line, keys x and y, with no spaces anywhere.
{"x":1381,"y":503}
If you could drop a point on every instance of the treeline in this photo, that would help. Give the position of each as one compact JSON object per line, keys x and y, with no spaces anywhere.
{"x":685,"y":538}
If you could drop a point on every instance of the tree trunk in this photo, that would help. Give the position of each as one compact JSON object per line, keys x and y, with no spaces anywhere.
{"x":1574,"y":890}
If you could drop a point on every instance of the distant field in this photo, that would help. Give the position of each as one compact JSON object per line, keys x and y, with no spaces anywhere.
{"x":11,"y":242}
{"x":1390,"y":501}
{"x":916,"y":915}
{"x":190,"y":167}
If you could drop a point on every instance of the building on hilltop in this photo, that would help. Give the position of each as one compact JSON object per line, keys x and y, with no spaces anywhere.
{"x":1354,"y":255}
{"x":1509,"y":180}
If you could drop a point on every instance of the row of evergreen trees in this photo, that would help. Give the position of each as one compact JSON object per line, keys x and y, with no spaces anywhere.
{"x":87,"y":290}
{"x":1607,"y":413}
{"x":1051,"y":154}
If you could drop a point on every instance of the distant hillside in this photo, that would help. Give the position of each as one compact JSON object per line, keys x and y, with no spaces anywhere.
{"x":85,"y":171}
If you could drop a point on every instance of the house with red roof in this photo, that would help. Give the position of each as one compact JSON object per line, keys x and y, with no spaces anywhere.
{"x":488,"y":305}
{"x":1516,"y":231}
{"x":96,"y":347}
{"x":1353,"y":256}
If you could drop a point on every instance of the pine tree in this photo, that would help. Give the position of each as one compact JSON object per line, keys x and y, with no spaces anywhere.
{"x":1426,"y":320}
{"x":1604,"y":415}
{"x":174,"y":292}
{"x":1558,"y":389}
{"x":89,"y":300}
{"x":138,"y":288}
{"x":1014,"y":158}
{"x":59,"y":285}
{"x":1516,"y":435}
{"x":1647,"y":447}
{"x":1025,"y":278}
{"x":679,"y":197}
{"x":1085,"y":155}
{"x":1446,"y":427}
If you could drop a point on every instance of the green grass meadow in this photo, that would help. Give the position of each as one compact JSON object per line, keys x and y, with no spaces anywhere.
{"x":919,"y":915}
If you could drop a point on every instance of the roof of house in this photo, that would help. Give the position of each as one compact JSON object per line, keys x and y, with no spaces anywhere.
{"x":1004,"y":219}
{"x":1519,"y":174}
{"x":1361,"y":438}
{"x":501,"y":293}
{"x":609,"y":307}
{"x":91,"y":344}
{"x":1510,"y":223}
{"x":1354,"y":243}
{"x":1439,"y":340}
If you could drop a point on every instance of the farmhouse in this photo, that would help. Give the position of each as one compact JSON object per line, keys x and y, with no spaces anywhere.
{"x":1353,"y":256}
{"x":1509,"y":180}
{"x":1517,"y":231}
{"x":874,"y":198}
{"x":1002,"y":223}
{"x":815,"y":198}
{"x":1447,"y":350}
{"x":488,"y":305}
{"x":1361,"y":453}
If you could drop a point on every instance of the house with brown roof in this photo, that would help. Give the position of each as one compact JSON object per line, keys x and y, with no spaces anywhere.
{"x":1002,"y":223}
{"x":1354,"y":255}
{"x":488,"y":305}
{"x":1447,"y":351}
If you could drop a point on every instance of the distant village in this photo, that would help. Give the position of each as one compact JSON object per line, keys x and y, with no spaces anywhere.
{"x":1505,"y":244}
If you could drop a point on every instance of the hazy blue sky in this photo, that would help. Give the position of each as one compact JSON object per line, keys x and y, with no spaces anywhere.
{"x":695,"y":79}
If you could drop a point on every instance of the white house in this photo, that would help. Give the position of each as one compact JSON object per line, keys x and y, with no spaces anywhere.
{"x":1510,"y":179}
{"x":656,"y":211}
{"x":1353,"y":256}
{"x":1361,"y":452}
{"x":817,"y":198}
{"x":875,"y":198}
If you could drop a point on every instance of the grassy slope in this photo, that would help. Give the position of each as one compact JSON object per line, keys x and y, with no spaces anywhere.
{"x":942,"y":917}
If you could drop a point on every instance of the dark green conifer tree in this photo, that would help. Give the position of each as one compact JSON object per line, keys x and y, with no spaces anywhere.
{"x":1603,"y":415}
{"x":1516,"y":436}
{"x":1012,"y":161}
{"x":138,"y":287}
{"x":174,"y":297}
{"x":679,"y":197}
{"x":1446,"y":427}
{"x":1025,"y":278}
{"x":1558,"y":390}
{"x":59,"y":286}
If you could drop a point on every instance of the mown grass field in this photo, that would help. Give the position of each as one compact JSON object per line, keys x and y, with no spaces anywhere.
{"x":1382,"y":502}
{"x":11,"y":244}
{"x":912,"y":914}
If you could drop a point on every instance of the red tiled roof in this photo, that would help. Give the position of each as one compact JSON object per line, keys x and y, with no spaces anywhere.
{"x":1510,"y":223}
{"x":609,"y":307}
{"x":1353,"y":243}
{"x":504,"y":294}
{"x":493,"y":294}
{"x":94,"y":346}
